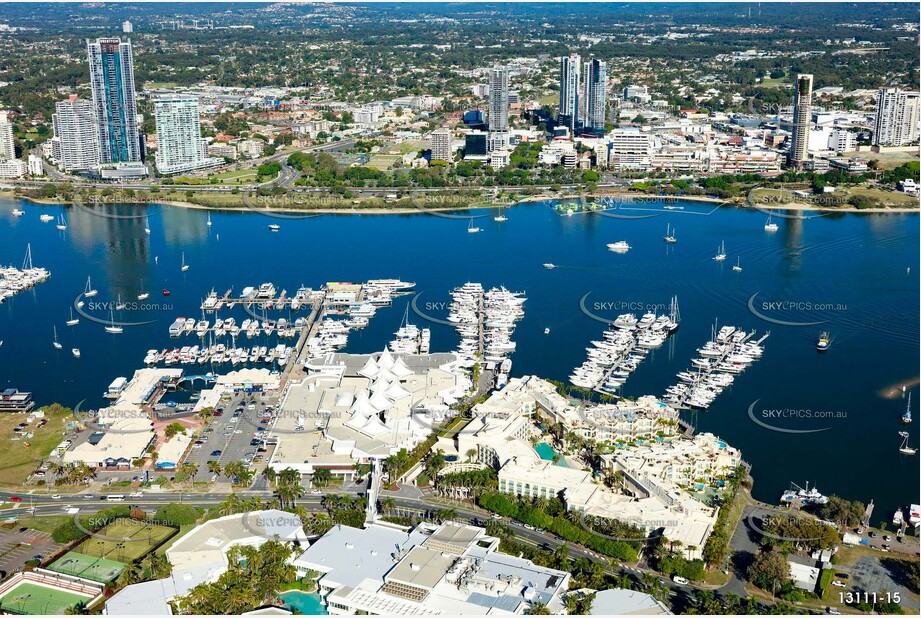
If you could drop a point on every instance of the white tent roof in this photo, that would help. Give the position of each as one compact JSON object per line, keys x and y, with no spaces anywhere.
{"x":368,"y":424}
{"x":362,"y":406}
{"x":400,"y":369}
{"x":380,"y":401}
{"x":396,"y":392}
{"x":385,"y":361}
{"x":370,"y":370}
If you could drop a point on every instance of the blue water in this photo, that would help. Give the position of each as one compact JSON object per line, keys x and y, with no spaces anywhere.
{"x":545,"y":451}
{"x":308,"y":604}
{"x":854,"y":262}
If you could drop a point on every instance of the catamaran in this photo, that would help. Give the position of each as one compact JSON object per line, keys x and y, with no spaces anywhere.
{"x":89,"y":292}
{"x":721,"y":253}
{"x":770,"y":227}
{"x":112,"y":328}
{"x":669,"y":235}
{"x":738,"y":266}
{"x":906,"y":417}
{"x":905,"y":449}
{"x":72,"y":321}
{"x":184,"y":266}
{"x":57,"y":344}
{"x":62,"y":223}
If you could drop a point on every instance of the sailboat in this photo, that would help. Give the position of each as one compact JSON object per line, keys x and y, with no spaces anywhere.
{"x":147,"y":225}
{"x":738,"y":266}
{"x":143,"y":295}
{"x":62,"y":223}
{"x":669,"y":235}
{"x":721,"y":253}
{"x":72,"y":321}
{"x":89,"y":292}
{"x":905,"y":449}
{"x":184,"y":266}
{"x":906,"y":417}
{"x":57,"y":344}
{"x":75,"y":352}
{"x":209,"y":219}
{"x":770,"y":227}
{"x":471,"y":228}
{"x":500,"y":217}
{"x":119,"y":304}
{"x":112,"y":328}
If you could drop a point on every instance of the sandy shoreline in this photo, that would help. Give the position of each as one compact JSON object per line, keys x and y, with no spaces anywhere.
{"x":797,"y":206}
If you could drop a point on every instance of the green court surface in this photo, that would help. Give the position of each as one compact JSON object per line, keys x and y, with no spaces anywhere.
{"x":34,"y":599}
{"x":89,"y":567}
{"x":125,"y":540}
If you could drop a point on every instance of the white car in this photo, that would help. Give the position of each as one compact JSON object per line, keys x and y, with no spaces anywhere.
{"x":55,"y":497}
{"x":496,"y":516}
{"x":680,"y":580}
{"x":528,"y":527}
{"x":839,"y":584}
{"x":316,"y":492}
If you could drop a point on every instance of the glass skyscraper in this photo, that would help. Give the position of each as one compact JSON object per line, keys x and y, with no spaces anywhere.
{"x":112,"y":80}
{"x":596,"y":81}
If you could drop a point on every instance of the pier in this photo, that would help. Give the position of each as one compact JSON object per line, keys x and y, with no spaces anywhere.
{"x":730,"y":352}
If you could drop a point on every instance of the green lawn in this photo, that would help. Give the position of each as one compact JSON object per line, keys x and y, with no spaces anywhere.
{"x":20,"y":457}
{"x":90,"y":567}
{"x":139,"y":537}
{"x":383,"y":162}
{"x":237,"y":177}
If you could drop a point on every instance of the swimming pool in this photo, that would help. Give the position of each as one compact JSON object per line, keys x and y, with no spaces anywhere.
{"x":307,"y":603}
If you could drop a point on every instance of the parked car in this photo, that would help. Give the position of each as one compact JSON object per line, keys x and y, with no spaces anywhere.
{"x":216,"y":453}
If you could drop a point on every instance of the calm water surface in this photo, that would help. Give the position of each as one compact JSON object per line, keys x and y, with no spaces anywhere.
{"x":855,"y":274}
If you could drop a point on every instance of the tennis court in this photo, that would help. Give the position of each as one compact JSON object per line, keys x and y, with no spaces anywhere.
{"x":88,"y":567}
{"x":125,"y":540}
{"x":35,"y":599}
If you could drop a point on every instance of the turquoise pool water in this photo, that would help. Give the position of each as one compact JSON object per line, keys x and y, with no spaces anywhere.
{"x":307,"y":603}
{"x":547,"y":453}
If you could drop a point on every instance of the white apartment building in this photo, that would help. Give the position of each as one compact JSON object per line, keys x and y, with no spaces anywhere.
{"x":12,"y":168}
{"x":223,"y":150}
{"x":35,"y":166}
{"x":250,"y":148}
{"x":180,"y":146}
{"x":440,"y":144}
{"x":896,"y":117}
{"x":7,"y":147}
{"x":75,"y":146}
{"x":451,"y":569}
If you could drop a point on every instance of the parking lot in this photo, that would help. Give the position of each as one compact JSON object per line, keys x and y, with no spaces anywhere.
{"x":232,"y":434}
{"x":879,"y":575}
{"x":19,"y":545}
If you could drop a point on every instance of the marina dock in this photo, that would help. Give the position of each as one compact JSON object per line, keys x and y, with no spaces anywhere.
{"x":729,"y":352}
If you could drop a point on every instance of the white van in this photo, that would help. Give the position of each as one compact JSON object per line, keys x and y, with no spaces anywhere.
{"x":116,"y":498}
{"x":680,"y":580}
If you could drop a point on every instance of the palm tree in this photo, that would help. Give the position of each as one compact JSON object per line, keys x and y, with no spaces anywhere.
{"x":387,"y":504}
{"x":269,"y":474}
{"x":471,"y":453}
{"x":215,"y":468}
{"x":538,"y":609}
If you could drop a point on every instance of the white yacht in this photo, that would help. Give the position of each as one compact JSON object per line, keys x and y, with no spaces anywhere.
{"x":548,"y":265}
{"x":472,"y":229}
{"x":143,"y":295}
{"x":184,"y":266}
{"x":18,"y":212}
{"x":46,"y":218}
{"x":738,"y":266}
{"x":57,"y":344}
{"x":721,"y":253}
{"x":89,"y":292}
{"x":274,"y":227}
{"x":147,"y":225}
{"x":669,"y":235}
{"x":209,"y":220}
{"x":119,"y":305}
{"x":620,"y":246}
{"x":769,"y":226}
{"x":72,"y":321}
{"x":62,"y":223}
{"x":75,"y":352}
{"x":546,"y":331}
{"x":112,"y":328}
